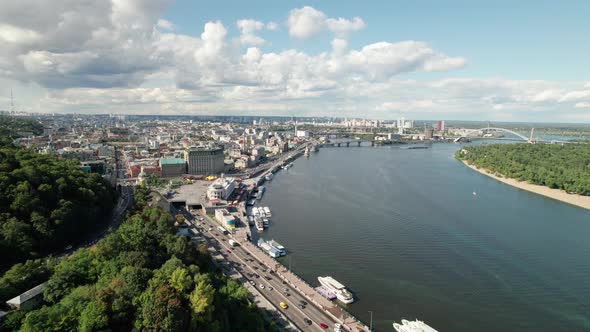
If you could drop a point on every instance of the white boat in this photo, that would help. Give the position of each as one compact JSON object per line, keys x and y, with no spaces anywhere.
{"x":412,"y":326}
{"x":267,"y":212}
{"x":259,"y":224}
{"x":278,"y":247}
{"x":272,"y":252}
{"x":269,"y":176}
{"x":342,"y":294}
{"x":265,"y":222}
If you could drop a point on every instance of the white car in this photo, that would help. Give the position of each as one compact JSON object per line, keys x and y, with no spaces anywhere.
{"x":338,"y":325}
{"x":261,"y":286}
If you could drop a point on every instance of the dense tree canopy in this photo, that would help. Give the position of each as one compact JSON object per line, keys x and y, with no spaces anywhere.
{"x":141,"y":277}
{"x":46,"y":204}
{"x":565,"y":167}
{"x":12,"y":127}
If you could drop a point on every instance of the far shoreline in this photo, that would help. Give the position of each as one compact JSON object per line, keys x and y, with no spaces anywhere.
{"x":557,"y":194}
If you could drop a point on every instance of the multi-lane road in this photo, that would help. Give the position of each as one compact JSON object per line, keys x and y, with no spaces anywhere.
{"x":300,"y":311}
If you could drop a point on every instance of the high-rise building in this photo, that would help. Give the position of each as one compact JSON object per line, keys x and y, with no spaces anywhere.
{"x":204,"y":160}
{"x":440,"y":125}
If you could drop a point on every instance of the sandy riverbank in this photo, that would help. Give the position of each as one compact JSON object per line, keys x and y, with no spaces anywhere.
{"x":560,"y":195}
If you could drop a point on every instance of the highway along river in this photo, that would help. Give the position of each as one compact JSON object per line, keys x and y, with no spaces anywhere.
{"x":403,"y":230}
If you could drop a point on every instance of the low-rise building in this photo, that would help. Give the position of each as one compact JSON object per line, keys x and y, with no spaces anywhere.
{"x":227,"y":219}
{"x":221,"y":188}
{"x":28,"y":300}
{"x":172,"y":167}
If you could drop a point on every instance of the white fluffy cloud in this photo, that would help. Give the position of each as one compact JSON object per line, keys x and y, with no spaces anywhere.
{"x":121,"y":56}
{"x":68,"y":43}
{"x":248,"y":29}
{"x":306,"y":22}
{"x":165,"y":24}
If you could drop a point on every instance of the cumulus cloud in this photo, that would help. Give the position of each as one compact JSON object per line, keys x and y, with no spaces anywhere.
{"x":70,"y":43}
{"x":248,"y":29}
{"x":165,"y":24}
{"x":120,"y":55}
{"x":306,"y":22}
{"x":343,"y":26}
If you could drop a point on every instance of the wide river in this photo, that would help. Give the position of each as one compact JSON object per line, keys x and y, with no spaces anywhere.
{"x":403,"y":230}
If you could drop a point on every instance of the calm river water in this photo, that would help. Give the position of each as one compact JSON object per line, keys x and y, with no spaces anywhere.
{"x":402,"y":229}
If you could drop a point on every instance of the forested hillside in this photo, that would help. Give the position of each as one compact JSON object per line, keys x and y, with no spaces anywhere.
{"x":11,"y":127}
{"x":141,"y":277}
{"x":46,"y":204}
{"x":565,"y":167}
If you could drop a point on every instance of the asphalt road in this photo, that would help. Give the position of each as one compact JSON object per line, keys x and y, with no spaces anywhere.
{"x":275,"y":290}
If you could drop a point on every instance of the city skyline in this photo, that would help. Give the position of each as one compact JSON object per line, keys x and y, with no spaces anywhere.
{"x":421,"y":60}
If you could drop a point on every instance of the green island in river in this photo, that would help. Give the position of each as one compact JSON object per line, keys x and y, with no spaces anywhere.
{"x":560,"y":172}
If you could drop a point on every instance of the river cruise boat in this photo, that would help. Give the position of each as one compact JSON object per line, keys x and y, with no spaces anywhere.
{"x":278,"y":247}
{"x":272,"y":252}
{"x":413,"y":326}
{"x":342,"y":294}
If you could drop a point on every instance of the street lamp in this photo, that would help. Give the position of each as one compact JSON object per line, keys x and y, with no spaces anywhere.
{"x":371,"y":323}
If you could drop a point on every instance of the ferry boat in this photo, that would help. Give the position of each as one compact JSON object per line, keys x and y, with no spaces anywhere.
{"x":269,"y":176}
{"x":278,"y":247}
{"x":272,"y":252}
{"x":342,"y":294}
{"x":267,"y":212}
{"x":412,"y":326}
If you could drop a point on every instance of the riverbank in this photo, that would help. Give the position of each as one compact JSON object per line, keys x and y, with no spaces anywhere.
{"x":560,"y":195}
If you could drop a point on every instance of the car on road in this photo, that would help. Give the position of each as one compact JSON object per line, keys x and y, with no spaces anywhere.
{"x":338,"y":325}
{"x":69,"y":247}
{"x":252,"y":283}
{"x":324,"y":326}
{"x":261,"y":286}
{"x":270,"y":288}
{"x":301,"y":306}
{"x":285,"y":289}
{"x":307,"y":321}
{"x":283,"y":305}
{"x":302,"y":302}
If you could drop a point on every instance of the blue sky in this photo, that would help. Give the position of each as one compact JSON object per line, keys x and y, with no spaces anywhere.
{"x":493,"y":60}
{"x":521,"y":39}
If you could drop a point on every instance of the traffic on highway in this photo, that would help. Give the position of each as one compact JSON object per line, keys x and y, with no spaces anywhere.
{"x":299,"y":310}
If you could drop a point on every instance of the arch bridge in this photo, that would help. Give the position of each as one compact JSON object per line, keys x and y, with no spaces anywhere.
{"x":469,"y":132}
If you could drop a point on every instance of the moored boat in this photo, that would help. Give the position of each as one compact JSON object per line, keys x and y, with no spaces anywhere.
{"x":342,"y":294}
{"x":413,"y":326}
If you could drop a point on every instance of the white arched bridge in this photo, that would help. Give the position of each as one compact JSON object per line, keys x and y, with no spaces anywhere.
{"x":471,"y":132}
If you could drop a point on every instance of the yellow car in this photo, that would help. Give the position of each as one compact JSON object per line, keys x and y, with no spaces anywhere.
{"x":283,"y":305}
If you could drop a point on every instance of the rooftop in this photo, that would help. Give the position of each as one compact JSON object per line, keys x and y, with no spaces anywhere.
{"x":172,"y":161}
{"x":24,"y":297}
